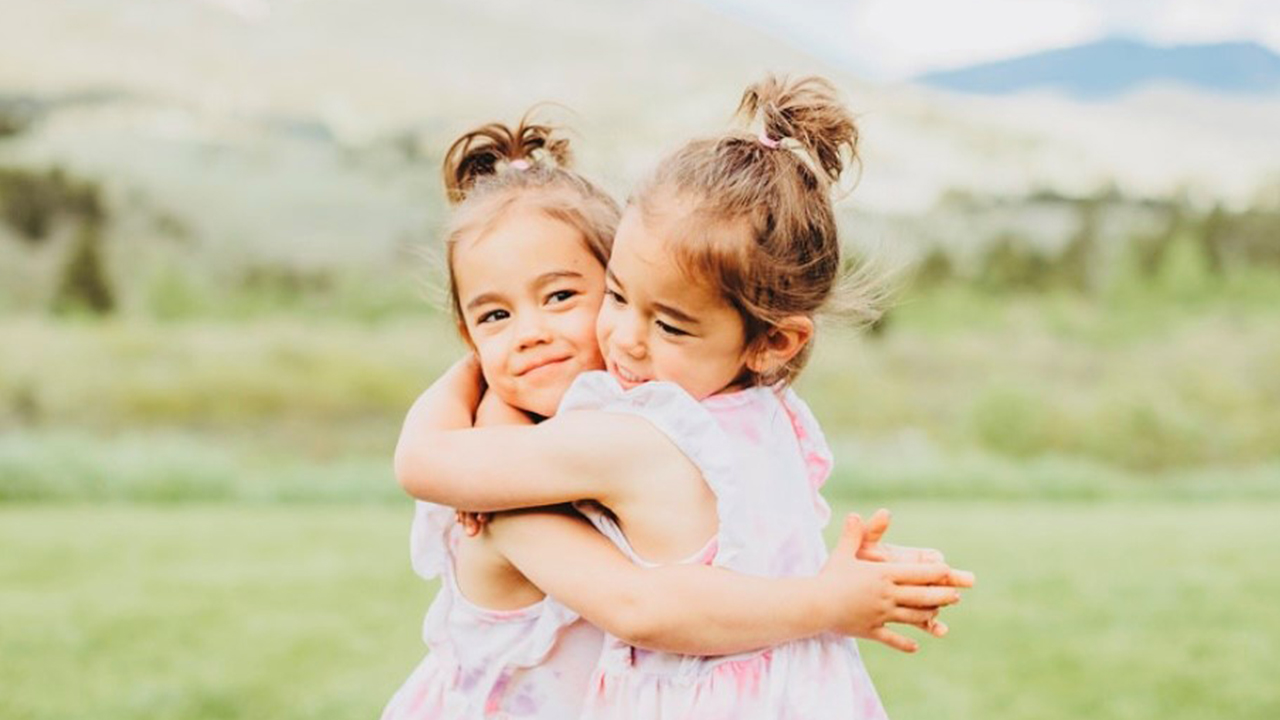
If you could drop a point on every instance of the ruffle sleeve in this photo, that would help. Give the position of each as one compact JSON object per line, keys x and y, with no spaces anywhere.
{"x":429,"y":538}
{"x":817,"y":455}
{"x":523,"y":637}
{"x":690,"y":427}
{"x":546,"y":633}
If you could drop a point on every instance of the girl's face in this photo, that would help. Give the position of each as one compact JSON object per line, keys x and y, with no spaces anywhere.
{"x":659,"y":324}
{"x":529,"y":291}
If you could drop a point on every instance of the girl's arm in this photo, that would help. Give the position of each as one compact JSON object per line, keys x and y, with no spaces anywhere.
{"x":701,"y":610}
{"x":578,"y":455}
{"x":692,"y":609}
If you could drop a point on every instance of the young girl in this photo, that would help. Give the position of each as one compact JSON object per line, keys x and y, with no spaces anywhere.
{"x":527,"y":252}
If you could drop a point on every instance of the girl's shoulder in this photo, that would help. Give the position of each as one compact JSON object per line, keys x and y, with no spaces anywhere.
{"x":598,"y":390}
{"x":675,"y":413}
{"x":682,"y":420}
{"x":813,"y":443}
{"x":777,"y":430}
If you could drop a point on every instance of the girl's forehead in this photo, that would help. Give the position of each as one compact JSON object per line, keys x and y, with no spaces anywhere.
{"x":641,"y":253}
{"x":518,"y":247}
{"x":649,"y":273}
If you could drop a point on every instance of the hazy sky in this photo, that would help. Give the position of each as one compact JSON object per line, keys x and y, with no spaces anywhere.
{"x":890,"y":39}
{"x":893,"y":39}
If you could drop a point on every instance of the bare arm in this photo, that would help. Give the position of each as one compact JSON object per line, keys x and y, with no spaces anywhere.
{"x":700,"y":610}
{"x":441,"y":458}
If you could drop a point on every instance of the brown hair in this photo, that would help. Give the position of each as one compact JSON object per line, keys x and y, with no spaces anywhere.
{"x":758,"y":218}
{"x":493,"y":169}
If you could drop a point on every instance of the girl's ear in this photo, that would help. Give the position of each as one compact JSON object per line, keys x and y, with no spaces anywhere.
{"x":780,"y":344}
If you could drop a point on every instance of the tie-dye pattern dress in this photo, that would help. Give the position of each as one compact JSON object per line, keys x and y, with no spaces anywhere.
{"x":762,"y":453}
{"x":534,"y":662}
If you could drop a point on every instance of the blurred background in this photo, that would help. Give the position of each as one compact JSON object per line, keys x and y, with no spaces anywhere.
{"x":217,"y":300}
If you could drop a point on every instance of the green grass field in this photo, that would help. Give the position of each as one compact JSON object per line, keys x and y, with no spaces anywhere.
{"x":1109,"y":610}
{"x":198,"y":517}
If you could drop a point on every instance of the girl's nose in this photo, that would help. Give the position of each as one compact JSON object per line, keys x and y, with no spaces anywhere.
{"x":628,"y":336}
{"x":531,"y":331}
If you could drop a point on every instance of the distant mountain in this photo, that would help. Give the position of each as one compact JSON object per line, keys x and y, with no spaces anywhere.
{"x":1114,"y":67}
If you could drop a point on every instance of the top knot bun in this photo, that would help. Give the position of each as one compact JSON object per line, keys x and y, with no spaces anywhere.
{"x":809,"y":112}
{"x":490,"y":149}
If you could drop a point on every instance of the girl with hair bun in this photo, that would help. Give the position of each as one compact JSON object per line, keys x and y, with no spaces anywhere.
{"x":697,"y":470}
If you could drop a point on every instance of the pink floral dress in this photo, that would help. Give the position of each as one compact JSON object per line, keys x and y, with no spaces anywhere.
{"x":762,"y":453}
{"x":534,"y":662}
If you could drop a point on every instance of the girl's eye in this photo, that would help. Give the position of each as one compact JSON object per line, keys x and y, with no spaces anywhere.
{"x":670,"y":329}
{"x":614,"y":296}
{"x":560,"y":296}
{"x":493,"y":316}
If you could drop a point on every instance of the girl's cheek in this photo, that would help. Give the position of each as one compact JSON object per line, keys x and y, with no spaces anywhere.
{"x":490,"y":360}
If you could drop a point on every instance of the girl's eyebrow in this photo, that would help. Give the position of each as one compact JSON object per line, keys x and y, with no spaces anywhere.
{"x":549,"y":277}
{"x":543,"y":279}
{"x":483,"y":299}
{"x":677,"y":314}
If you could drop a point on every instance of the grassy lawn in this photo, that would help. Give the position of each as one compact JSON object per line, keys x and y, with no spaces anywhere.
{"x":1103,"y":611}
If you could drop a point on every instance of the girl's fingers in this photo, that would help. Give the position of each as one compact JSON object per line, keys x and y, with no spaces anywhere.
{"x":472,"y":523}
{"x":877,"y":526}
{"x":850,"y":537}
{"x":925,"y":596}
{"x":921,"y":618}
{"x":929,"y":574}
{"x":906,"y":554}
{"x":894,"y":640}
{"x":938,"y":629}
{"x":873,"y":555}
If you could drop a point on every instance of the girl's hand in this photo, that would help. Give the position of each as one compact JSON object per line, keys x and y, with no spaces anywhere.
{"x":866,"y":596}
{"x":473,"y":523}
{"x":874,"y":550}
{"x":493,"y":411}
{"x":462,"y":382}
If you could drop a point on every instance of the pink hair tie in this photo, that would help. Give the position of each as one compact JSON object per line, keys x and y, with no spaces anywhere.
{"x":769,"y":142}
{"x":520,"y":164}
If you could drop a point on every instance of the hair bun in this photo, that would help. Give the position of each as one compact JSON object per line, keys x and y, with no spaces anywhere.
{"x":488,"y":149}
{"x":807,"y":110}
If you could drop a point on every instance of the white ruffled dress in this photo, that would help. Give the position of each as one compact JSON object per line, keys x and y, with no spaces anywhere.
{"x":534,"y":662}
{"x":762,"y":453}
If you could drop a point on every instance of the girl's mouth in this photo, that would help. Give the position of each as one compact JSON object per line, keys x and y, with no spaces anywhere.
{"x":542,"y":365}
{"x":627,"y":379}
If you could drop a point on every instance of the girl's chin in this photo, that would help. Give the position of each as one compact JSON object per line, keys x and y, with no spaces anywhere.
{"x":544,"y":403}
{"x":545,"y":400}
